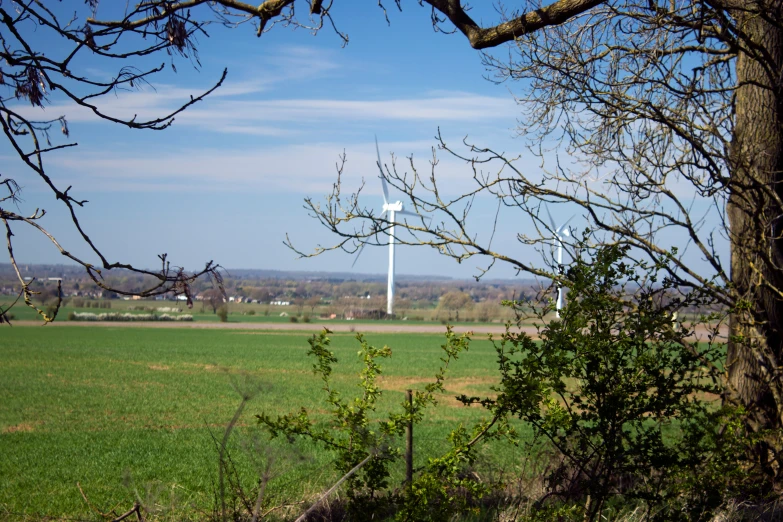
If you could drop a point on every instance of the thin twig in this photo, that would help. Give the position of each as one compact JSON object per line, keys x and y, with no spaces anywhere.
{"x":135,"y":509}
{"x":337,"y":484}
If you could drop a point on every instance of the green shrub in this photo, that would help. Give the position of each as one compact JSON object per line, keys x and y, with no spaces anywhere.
{"x":51,"y":310}
{"x":126,"y":317}
{"x":251,"y":312}
{"x":368,"y":447}
{"x":222,"y":314}
{"x":293,"y":319}
{"x":306,"y":318}
{"x":624,"y":397}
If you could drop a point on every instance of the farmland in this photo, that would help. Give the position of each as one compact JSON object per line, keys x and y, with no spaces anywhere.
{"x":251,"y":293}
{"x":131,"y":412}
{"x":237,"y":313}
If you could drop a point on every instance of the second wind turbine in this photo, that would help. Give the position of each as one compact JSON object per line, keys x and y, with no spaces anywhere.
{"x":557,"y":242}
{"x":391,"y":210}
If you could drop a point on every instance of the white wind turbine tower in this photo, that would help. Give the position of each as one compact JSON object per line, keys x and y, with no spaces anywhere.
{"x":557,"y":242}
{"x":391,"y":210}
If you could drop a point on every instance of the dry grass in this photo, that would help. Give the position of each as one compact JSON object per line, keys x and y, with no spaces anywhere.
{"x":23,"y":427}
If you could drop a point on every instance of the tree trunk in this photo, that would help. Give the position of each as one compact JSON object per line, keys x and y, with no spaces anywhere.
{"x":754,"y":213}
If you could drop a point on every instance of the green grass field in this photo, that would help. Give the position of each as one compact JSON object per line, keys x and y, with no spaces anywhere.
{"x":130,"y":412}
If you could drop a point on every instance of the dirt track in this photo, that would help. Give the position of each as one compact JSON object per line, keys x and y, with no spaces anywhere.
{"x":376,"y":327}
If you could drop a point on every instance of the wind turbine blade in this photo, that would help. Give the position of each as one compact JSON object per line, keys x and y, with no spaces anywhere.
{"x":409,"y":213}
{"x":562,"y":227}
{"x":380,"y":168}
{"x":358,"y":253}
{"x":551,"y":221}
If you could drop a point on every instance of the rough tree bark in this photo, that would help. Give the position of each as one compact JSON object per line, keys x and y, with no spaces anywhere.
{"x":754,"y":213}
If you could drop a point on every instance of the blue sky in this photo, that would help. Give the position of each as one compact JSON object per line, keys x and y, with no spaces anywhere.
{"x":227,"y":181}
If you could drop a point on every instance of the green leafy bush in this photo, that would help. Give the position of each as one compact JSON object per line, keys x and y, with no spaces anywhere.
{"x":373,"y":444}
{"x":222,"y":313}
{"x":51,"y":310}
{"x":127,"y":317}
{"x":623,"y":395}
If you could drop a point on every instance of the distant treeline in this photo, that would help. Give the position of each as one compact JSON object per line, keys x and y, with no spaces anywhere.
{"x":264,"y":286}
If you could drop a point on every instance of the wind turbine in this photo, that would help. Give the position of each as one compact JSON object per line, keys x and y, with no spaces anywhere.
{"x":391,"y":210}
{"x":557,"y":242}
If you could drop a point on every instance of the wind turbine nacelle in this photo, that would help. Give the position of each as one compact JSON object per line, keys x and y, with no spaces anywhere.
{"x":396,"y":207}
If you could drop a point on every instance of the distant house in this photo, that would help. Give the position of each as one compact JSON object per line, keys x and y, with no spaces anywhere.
{"x":280,"y":303}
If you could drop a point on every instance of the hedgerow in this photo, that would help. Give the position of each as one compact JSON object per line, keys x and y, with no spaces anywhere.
{"x":120,"y":317}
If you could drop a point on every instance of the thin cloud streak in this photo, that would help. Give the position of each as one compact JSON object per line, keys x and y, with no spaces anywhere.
{"x":282,"y":66}
{"x":451,"y":108}
{"x":243,"y":116}
{"x":305,"y":169}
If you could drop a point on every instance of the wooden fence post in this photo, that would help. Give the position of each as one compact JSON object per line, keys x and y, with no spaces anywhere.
{"x":409,"y":444}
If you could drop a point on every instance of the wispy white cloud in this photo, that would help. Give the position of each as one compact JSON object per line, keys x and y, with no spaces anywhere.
{"x":295,"y":62}
{"x":247,"y":116}
{"x":305,"y":169}
{"x":251,"y":100}
{"x":310,"y":130}
{"x":450,"y":108}
{"x":279,"y":67}
{"x":255,"y":130}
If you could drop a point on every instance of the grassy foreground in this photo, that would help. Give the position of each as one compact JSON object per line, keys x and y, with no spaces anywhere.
{"x":131,"y":413}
